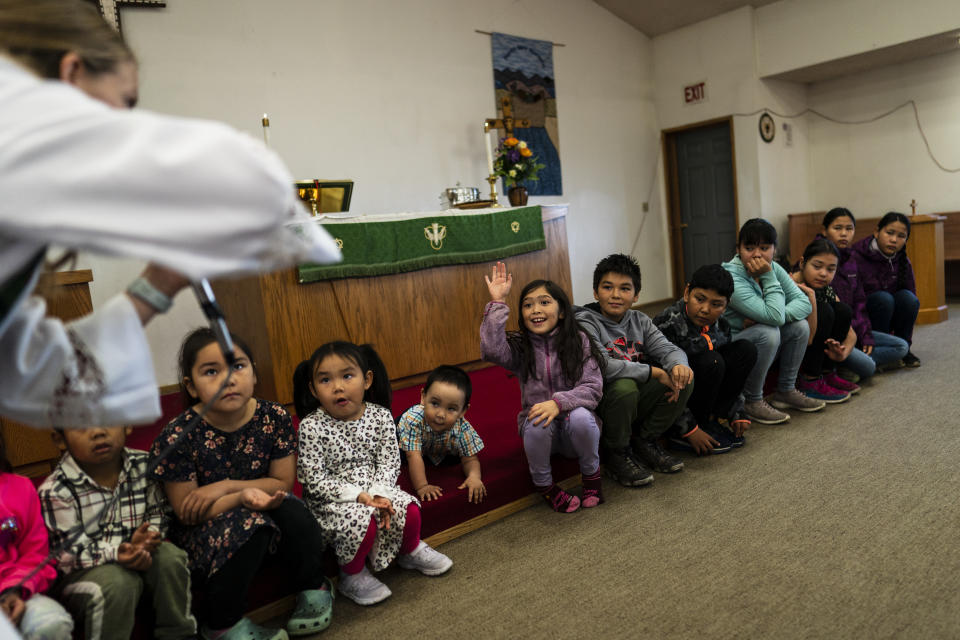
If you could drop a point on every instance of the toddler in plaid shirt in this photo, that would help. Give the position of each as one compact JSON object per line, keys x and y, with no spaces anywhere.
{"x":435,"y":429}
{"x":109,"y":556}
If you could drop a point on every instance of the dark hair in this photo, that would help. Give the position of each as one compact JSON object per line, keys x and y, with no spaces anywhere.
{"x":892,"y":217}
{"x":195,"y":341}
{"x":38,"y":33}
{"x":364,"y":356}
{"x":567,"y":341}
{"x":451,"y":375}
{"x":888,"y":219}
{"x":712,"y":276}
{"x":619,"y":263}
{"x":818,"y":247}
{"x":838,"y":212}
{"x":757,"y":231}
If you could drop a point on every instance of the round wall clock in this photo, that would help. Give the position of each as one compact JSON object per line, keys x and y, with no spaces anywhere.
{"x":767,"y":128}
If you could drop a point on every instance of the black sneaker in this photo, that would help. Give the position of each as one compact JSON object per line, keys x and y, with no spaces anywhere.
{"x":911,"y":361}
{"x":650,"y":453}
{"x":623,"y":468}
{"x":891,"y":366}
{"x":721,"y":435}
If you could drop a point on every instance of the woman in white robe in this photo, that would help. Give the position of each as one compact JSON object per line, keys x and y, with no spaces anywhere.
{"x":194,"y":198}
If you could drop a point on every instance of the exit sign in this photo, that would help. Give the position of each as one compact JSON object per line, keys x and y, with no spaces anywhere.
{"x":695,"y":93}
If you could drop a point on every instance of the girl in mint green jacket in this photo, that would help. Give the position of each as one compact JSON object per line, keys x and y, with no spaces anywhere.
{"x":769,"y":309}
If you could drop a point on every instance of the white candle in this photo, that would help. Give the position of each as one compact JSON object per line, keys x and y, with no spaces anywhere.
{"x":266,"y":129}
{"x":489,"y":154}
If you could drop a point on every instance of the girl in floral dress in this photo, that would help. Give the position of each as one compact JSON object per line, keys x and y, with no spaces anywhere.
{"x":348,"y":465}
{"x":228,"y":480}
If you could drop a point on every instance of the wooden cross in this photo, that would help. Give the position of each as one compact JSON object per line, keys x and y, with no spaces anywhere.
{"x":110,"y":9}
{"x":913,"y":207}
{"x":507,"y":122}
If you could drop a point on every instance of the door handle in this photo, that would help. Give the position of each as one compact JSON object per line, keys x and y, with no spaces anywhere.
{"x":683,"y":225}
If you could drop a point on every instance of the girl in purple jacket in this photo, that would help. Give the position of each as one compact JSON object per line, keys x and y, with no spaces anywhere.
{"x":887,"y":278}
{"x":874,"y":349}
{"x":560,"y":382}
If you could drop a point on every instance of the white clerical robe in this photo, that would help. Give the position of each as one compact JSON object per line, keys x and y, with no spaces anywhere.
{"x":192,"y":195}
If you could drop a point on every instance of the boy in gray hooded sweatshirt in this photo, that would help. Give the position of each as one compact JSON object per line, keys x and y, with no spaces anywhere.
{"x":646,"y":378}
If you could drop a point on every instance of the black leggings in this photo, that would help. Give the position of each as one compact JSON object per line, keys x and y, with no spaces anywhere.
{"x":299,"y":553}
{"x":718,"y":378}
{"x":833,"y":321}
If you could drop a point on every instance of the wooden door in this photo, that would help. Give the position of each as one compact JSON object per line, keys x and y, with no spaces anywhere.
{"x":703,"y":203}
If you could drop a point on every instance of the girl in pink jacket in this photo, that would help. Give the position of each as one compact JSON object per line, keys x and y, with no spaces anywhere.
{"x":23,"y":548}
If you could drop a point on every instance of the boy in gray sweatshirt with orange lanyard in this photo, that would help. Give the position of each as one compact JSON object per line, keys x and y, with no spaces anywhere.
{"x":646,"y":378}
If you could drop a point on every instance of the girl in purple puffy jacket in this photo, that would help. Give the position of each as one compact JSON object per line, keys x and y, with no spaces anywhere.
{"x":560,"y":382}
{"x":887,"y":278}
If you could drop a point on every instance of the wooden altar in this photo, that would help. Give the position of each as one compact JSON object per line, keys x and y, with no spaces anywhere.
{"x":416,"y":320}
{"x":925,"y":248}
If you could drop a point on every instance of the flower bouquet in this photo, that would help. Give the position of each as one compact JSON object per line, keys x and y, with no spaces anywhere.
{"x":515,"y":161}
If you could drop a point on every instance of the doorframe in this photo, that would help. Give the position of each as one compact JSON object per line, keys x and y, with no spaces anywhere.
{"x":668,"y":142}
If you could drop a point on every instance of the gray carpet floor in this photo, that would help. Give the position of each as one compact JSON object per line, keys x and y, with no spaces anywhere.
{"x":838,"y":524}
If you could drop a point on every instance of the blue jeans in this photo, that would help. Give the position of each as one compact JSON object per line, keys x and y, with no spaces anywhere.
{"x":887,"y":348}
{"x":790,"y":341}
{"x":893,"y":313}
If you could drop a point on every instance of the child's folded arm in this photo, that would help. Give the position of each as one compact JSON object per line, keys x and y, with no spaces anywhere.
{"x":613,"y":368}
{"x":318,"y":483}
{"x":659,"y":348}
{"x":796,"y":304}
{"x":767,"y":308}
{"x":493,"y":339}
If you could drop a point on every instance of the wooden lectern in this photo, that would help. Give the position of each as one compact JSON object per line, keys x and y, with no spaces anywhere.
{"x":415,"y":320}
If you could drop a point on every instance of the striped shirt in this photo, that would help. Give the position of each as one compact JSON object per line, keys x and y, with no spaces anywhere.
{"x":414,"y":434}
{"x":71,"y":500}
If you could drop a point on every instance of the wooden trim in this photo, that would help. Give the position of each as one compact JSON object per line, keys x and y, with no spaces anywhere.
{"x":285,"y":605}
{"x":733,"y":176}
{"x":62,"y":278}
{"x":697,"y":125}
{"x":167,"y":389}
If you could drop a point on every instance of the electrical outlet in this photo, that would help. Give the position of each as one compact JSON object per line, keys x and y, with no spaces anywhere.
{"x":646,"y":207}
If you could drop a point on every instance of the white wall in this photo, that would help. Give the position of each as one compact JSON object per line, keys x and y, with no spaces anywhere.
{"x":879,"y":167}
{"x":393,"y":94}
{"x":772,"y":179}
{"x":792,"y":34}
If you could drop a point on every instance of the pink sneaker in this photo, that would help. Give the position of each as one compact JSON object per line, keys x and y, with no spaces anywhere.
{"x":820,"y":390}
{"x":837,"y":382}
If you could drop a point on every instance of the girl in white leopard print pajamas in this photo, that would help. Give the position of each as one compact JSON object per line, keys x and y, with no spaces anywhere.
{"x":348,"y":465}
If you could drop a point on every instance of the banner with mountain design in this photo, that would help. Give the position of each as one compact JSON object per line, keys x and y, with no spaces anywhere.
{"x":523,"y":70}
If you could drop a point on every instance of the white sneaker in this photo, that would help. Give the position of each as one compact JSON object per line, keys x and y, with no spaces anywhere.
{"x":426,"y":560}
{"x":363,"y":588}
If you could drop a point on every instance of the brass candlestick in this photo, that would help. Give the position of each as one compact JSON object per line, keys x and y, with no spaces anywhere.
{"x":492,"y":179}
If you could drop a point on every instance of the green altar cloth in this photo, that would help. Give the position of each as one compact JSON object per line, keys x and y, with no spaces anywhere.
{"x":373,"y":248}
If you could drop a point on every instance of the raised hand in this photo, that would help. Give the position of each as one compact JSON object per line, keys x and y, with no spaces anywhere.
{"x":499,"y":282}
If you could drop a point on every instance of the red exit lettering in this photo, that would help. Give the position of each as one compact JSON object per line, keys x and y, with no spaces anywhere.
{"x":695,"y":93}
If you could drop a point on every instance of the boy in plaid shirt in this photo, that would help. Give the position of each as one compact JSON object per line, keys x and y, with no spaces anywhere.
{"x":435,"y":429}
{"x":111,"y":556}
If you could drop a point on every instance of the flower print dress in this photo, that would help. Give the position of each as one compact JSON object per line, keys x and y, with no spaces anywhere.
{"x":208,"y":455}
{"x":338,"y":460}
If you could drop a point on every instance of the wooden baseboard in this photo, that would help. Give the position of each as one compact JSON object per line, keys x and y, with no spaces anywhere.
{"x":932,"y":315}
{"x":285,"y":605}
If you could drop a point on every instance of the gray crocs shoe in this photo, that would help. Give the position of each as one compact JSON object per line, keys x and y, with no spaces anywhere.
{"x":313,"y":612}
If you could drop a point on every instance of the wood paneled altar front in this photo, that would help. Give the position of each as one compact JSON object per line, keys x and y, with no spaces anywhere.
{"x":416,"y":320}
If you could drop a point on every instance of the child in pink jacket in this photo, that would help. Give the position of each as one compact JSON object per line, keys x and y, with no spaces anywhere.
{"x":23,"y":548}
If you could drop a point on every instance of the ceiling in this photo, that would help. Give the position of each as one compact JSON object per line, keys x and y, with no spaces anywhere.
{"x":653,"y":17}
